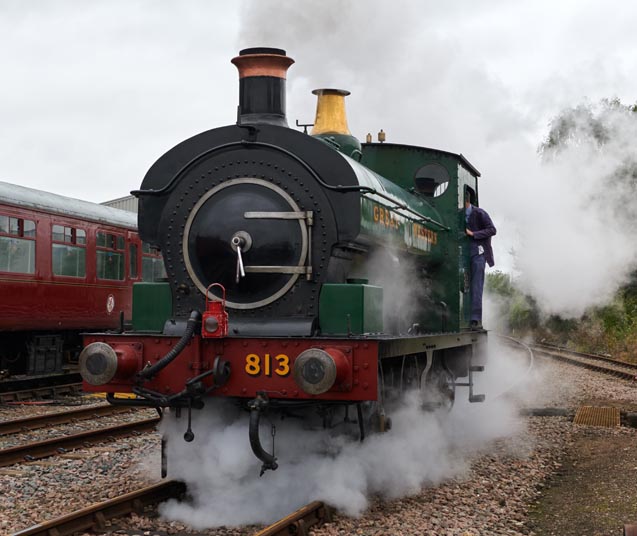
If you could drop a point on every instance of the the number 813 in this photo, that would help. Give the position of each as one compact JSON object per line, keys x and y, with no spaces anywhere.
{"x":255,"y":365}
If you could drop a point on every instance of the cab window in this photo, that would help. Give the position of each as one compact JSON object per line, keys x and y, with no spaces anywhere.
{"x":431,"y":180}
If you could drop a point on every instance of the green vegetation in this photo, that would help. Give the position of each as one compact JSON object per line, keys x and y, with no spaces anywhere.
{"x":584,"y":123}
{"x":518,"y":312}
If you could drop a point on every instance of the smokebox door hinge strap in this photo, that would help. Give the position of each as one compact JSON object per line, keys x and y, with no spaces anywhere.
{"x":305,"y":264}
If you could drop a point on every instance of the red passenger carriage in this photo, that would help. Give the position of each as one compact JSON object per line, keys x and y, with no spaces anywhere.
{"x":66,"y":266}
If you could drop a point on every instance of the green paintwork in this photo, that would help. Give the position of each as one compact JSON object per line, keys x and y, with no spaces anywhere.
{"x":384,"y":223}
{"x":152,"y":306}
{"x":351,"y":308}
{"x":446,"y":262}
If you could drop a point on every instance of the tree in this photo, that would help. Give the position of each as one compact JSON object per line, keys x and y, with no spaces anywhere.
{"x":585,"y":123}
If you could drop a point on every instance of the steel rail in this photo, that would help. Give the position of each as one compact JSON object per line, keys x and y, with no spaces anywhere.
{"x":94,"y":517}
{"x":529,"y":351}
{"x":40,"y":392}
{"x":596,"y":362}
{"x":60,"y":445}
{"x":602,"y":364}
{"x":299,"y":522}
{"x":62,"y":417}
{"x":22,"y":383}
{"x":595,"y":357}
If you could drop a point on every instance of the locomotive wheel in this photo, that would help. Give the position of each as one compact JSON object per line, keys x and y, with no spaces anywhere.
{"x":374,"y":418}
{"x":438,"y":390}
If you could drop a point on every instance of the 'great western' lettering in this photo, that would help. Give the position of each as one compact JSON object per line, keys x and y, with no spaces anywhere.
{"x":385,"y":217}
{"x":422,"y":232}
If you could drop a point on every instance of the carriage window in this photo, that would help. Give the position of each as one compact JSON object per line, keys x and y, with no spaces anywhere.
{"x":152,"y":264}
{"x":110,"y":256}
{"x":29,"y":228}
{"x":17,"y":245}
{"x":68,"y":252}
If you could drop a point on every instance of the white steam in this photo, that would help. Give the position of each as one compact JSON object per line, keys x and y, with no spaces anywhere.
{"x":405,"y":291}
{"x":422,"y":449}
{"x":410,"y":75}
{"x":575,"y":218}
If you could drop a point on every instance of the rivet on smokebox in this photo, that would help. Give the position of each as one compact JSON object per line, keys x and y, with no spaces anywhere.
{"x":244,"y":343}
{"x":365,"y":385}
{"x":244,"y":390}
{"x":365,"y":365}
{"x":295,"y":393}
{"x":355,"y":382}
{"x":284,"y":392}
{"x":356,"y":367}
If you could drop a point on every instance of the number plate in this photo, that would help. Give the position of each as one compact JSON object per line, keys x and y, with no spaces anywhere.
{"x":267,"y":365}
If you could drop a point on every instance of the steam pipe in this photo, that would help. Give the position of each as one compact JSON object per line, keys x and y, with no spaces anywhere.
{"x":149,"y":372}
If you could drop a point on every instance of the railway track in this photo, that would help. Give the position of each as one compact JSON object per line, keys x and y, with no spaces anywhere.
{"x":94,"y":517}
{"x":60,"y":445}
{"x":63,"y":417}
{"x":595,"y":362}
{"x":299,"y":522}
{"x":41,"y":392}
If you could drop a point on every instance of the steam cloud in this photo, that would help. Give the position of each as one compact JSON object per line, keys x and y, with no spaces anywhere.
{"x":405,"y":293}
{"x":565,"y":220}
{"x":422,"y":449}
{"x":574,"y":217}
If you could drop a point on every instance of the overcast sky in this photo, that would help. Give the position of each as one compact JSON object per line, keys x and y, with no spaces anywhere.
{"x":92,"y":92}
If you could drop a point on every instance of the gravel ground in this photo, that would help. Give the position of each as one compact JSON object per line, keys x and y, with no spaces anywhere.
{"x":37,"y":491}
{"x":74,"y":427}
{"x":505,"y":492}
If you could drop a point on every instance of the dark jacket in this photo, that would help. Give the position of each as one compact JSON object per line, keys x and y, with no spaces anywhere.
{"x":483,"y":229}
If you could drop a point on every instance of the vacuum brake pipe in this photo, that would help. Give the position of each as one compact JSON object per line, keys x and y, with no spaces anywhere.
{"x":149,"y":372}
{"x":256,"y":406}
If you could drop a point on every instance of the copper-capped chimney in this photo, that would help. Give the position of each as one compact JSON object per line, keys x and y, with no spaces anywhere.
{"x":262,"y":73}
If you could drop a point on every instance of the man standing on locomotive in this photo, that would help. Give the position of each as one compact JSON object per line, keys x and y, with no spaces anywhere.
{"x":479,"y":229}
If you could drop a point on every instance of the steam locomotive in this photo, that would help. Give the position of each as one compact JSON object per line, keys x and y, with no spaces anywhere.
{"x":290,"y":260}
